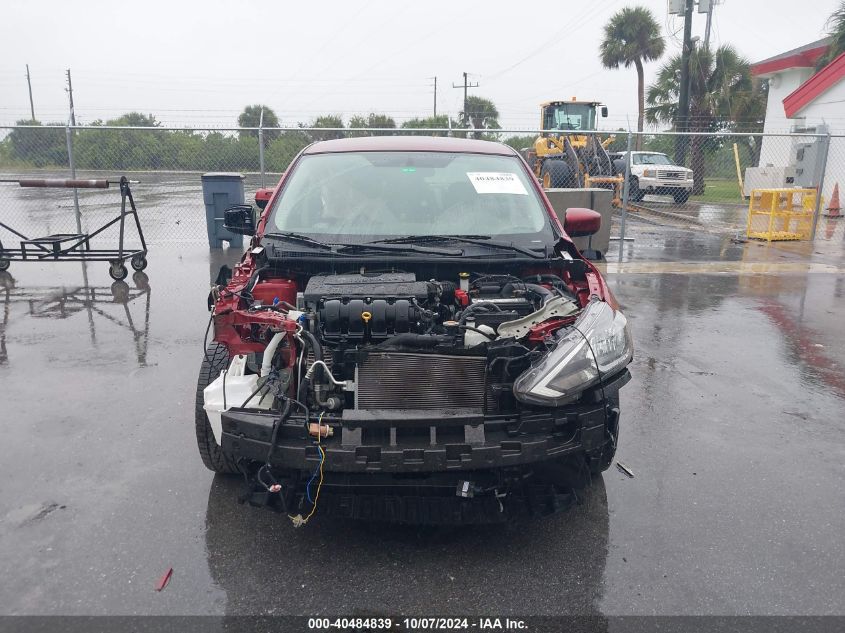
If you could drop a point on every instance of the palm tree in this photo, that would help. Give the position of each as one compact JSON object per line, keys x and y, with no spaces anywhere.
{"x":251,"y":117}
{"x":482,"y":114}
{"x":836,"y":24}
{"x":631,"y":37}
{"x":723,"y":96}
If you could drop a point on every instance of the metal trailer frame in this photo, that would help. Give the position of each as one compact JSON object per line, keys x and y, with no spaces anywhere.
{"x":76,"y":247}
{"x":61,"y":302}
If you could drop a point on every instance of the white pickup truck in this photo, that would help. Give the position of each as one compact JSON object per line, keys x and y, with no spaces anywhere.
{"x":655,"y":173}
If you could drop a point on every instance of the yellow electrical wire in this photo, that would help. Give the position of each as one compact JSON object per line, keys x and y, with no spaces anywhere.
{"x":298,"y":520}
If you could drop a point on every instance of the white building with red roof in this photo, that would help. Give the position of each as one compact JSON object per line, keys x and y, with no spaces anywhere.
{"x":802,"y":99}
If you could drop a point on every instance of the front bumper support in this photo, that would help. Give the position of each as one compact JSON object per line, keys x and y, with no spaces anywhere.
{"x":402,"y":441}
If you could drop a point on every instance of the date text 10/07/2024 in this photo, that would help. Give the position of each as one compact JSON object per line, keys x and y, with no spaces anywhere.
{"x":418,"y":624}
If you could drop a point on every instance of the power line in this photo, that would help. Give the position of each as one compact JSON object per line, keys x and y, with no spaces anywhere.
{"x":556,"y":38}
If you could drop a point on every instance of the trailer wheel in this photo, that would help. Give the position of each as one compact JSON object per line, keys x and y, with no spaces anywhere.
{"x":118,"y":271}
{"x":138,"y":262}
{"x":5,"y":263}
{"x":216,"y":360}
{"x":555,"y":174}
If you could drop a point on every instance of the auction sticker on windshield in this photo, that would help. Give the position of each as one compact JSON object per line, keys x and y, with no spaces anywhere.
{"x":496,"y":182}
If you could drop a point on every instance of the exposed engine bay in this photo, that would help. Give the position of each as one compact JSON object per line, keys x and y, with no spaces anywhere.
{"x":357,"y":339}
{"x":380,"y":371}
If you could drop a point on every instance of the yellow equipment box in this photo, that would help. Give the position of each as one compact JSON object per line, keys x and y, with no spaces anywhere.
{"x":781,"y":214}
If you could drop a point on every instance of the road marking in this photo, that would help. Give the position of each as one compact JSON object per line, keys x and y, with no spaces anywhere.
{"x":717,"y":268}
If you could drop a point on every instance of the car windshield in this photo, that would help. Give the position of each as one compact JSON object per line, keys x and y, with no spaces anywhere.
{"x":652,"y":159}
{"x":382,"y":194}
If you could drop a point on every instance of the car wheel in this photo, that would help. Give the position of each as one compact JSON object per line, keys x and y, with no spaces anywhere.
{"x":5,"y":263}
{"x":556,"y":174}
{"x":681,"y":196}
{"x":216,"y":360}
{"x":635,"y":194}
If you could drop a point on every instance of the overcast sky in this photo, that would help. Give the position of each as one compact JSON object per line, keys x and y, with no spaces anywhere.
{"x":198,"y":63}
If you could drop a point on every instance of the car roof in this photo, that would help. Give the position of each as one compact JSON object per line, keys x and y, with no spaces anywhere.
{"x":409,"y":144}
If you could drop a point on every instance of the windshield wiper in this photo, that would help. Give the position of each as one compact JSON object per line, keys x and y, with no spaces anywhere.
{"x":415,"y":239}
{"x":480,"y":240}
{"x":298,"y":237}
{"x":397,"y":248}
{"x":345,"y":249}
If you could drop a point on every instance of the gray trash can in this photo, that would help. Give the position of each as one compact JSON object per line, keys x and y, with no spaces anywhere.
{"x":221,"y":191}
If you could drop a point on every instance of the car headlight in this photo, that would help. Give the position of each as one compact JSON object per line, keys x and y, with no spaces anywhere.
{"x":648,"y":173}
{"x":597,"y":345}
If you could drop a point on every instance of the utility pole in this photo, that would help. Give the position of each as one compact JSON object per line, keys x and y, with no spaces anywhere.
{"x":70,"y":97}
{"x":29,"y":85}
{"x":69,"y":136}
{"x":682,"y":120}
{"x":465,"y":85}
{"x":707,"y":28}
{"x":435,"y":97}
{"x":710,"y":5}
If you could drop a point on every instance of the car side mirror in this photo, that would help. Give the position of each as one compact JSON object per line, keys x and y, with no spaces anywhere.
{"x":262,"y":197}
{"x":604,"y":112}
{"x":239,"y":219}
{"x":579,"y":222}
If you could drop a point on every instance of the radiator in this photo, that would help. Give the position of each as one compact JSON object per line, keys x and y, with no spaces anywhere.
{"x":420,"y":381}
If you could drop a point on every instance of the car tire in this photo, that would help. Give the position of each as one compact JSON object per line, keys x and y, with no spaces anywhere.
{"x":681,"y":196}
{"x":216,"y":360}
{"x":635,"y":194}
{"x":556,"y":174}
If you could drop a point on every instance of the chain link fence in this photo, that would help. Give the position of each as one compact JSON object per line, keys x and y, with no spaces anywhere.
{"x":677,"y":186}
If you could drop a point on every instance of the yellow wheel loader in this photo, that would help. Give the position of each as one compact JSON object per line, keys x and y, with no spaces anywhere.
{"x":569,"y":154}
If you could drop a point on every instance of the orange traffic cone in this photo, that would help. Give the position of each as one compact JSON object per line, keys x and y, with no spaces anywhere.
{"x":833,"y":209}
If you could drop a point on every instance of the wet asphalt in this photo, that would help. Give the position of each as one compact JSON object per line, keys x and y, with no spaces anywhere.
{"x":733,"y":426}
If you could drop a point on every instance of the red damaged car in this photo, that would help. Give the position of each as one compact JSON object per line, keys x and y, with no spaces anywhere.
{"x":411,"y":336}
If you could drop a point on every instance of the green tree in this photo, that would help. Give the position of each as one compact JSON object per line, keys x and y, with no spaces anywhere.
{"x":619,"y":142}
{"x":441,"y":121}
{"x":37,"y":147}
{"x":836,"y":25}
{"x":481,"y":114}
{"x":632,"y":37}
{"x":251,"y":117}
{"x":283,"y":149}
{"x":520,"y":142}
{"x":326,"y":121}
{"x":372,"y":121}
{"x":723,"y":97}
{"x":123,"y":149}
{"x":135,"y":119}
